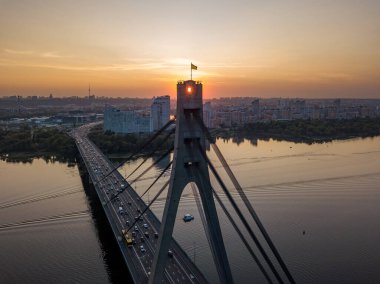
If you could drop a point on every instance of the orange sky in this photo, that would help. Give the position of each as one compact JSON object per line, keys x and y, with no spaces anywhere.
{"x":141,"y":48}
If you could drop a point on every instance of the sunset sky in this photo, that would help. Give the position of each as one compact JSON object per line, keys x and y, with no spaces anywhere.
{"x":272,"y":48}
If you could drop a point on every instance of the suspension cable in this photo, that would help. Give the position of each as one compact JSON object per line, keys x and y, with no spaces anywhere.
{"x":245,"y":242}
{"x":157,"y":178}
{"x":140,"y":149}
{"x":241,"y":236}
{"x":148,"y":206}
{"x":246,"y":201}
{"x":144,"y":172}
{"x":201,"y":212}
{"x":241,"y":216}
{"x":151,"y":153}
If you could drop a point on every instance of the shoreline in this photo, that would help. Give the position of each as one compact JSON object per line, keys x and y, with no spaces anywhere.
{"x":28,"y":157}
{"x":304,"y":139}
{"x":55,"y":145}
{"x":54,"y":157}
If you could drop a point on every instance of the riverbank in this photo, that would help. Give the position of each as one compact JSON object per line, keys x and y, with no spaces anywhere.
{"x":50,"y":144}
{"x":28,"y":157}
{"x":121,"y":145}
{"x":304,"y":131}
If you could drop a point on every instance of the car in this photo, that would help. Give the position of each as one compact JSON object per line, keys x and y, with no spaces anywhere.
{"x":145,"y":226}
{"x":170,"y":253}
{"x":146,"y":234}
{"x":133,"y":234}
{"x":127,"y":223}
{"x":142,"y":249}
{"x":188,"y":217}
{"x":156,"y":235}
{"x":136,"y":228}
{"x":142,"y":239}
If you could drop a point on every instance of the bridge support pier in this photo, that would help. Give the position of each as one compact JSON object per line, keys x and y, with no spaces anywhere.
{"x":189,"y":166}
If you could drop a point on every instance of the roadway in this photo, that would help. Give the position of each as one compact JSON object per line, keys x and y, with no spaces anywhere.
{"x":122,"y":212}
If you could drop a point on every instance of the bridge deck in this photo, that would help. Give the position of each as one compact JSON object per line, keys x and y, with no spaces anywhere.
{"x":179,"y":267}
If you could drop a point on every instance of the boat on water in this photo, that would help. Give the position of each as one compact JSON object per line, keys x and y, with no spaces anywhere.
{"x":188,"y":217}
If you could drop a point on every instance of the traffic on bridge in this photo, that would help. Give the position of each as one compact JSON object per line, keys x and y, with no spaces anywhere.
{"x":123,"y":207}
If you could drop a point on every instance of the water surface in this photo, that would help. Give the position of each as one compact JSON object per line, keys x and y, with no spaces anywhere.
{"x":318,"y":202}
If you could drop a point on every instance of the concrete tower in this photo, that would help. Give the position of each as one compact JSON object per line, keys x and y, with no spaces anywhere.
{"x":189,"y":166}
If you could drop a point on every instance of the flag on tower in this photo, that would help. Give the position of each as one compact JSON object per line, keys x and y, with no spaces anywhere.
{"x":193,"y":67}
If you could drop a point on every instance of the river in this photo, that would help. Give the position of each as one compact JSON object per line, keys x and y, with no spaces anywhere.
{"x":318,"y":202}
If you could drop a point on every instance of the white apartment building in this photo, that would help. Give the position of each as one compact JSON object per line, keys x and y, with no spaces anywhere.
{"x":126,"y":121}
{"x":159,"y":112}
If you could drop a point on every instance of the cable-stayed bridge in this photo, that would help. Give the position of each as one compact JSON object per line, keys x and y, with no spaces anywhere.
{"x":150,"y":252}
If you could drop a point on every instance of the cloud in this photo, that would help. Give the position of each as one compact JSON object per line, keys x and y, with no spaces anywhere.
{"x":234,"y":66}
{"x":338,"y":76}
{"x":51,"y":55}
{"x":21,"y":52}
{"x":47,"y":54}
{"x":172,"y":66}
{"x":113,"y":67}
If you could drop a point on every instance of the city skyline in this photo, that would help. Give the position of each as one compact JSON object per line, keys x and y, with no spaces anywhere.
{"x":249,"y":48}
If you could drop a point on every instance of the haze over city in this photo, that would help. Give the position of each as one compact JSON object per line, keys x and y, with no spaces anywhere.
{"x":311,"y":49}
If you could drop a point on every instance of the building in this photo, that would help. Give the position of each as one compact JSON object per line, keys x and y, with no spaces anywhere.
{"x":255,"y":110}
{"x":207,"y":114}
{"x":159,"y":112}
{"x":126,"y":121}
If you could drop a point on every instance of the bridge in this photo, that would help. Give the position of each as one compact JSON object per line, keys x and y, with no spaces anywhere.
{"x":180,"y":269}
{"x":148,"y":248}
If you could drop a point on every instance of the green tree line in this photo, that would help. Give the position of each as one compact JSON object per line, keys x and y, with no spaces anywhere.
{"x":310,"y":130}
{"x":37,"y":140}
{"x":111,"y":143}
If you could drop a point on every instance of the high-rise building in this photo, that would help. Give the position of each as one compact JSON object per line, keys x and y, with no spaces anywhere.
{"x":255,"y":109}
{"x":126,"y":121}
{"x":299,"y":109}
{"x":159,"y":112}
{"x":207,"y":114}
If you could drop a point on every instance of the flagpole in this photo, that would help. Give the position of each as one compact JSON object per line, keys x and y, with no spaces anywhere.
{"x":191,"y":71}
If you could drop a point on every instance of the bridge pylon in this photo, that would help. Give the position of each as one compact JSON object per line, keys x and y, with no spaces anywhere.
{"x":189,"y":166}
